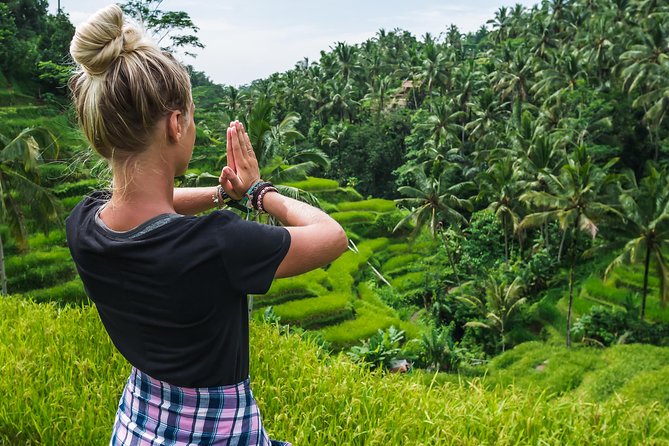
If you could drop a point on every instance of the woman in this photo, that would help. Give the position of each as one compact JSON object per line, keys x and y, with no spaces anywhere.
{"x":171,"y":287}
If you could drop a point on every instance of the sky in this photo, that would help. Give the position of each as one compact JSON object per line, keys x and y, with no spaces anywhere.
{"x":252,"y":39}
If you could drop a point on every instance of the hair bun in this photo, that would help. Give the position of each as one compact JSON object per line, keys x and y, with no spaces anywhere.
{"x":98,"y":42}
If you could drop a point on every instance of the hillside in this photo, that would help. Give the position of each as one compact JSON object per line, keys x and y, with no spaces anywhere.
{"x":58,"y":360}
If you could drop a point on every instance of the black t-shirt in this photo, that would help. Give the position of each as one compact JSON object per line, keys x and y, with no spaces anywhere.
{"x":172,"y":292}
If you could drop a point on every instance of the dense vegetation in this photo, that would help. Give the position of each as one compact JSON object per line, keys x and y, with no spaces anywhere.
{"x":522,"y":201}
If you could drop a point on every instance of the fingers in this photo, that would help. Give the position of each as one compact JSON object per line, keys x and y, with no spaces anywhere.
{"x":231,"y":183}
{"x":231,"y":155}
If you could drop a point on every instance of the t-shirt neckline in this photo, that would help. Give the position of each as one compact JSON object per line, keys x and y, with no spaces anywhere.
{"x":141,"y":229}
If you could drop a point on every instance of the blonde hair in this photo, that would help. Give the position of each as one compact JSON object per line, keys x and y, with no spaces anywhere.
{"x":124,"y":83}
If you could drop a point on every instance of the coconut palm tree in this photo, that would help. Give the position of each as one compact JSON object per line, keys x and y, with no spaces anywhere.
{"x":574,"y":199}
{"x":501,"y":186}
{"x":498,"y":305}
{"x":21,"y":195}
{"x":644,"y":234}
{"x":435,"y":201}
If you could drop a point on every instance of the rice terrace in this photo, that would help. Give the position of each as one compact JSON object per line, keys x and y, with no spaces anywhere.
{"x":504,"y":192}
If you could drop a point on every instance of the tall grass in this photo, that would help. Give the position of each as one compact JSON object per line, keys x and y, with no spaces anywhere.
{"x":60,"y":380}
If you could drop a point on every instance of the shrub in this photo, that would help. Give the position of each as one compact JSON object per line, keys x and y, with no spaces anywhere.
{"x":438,"y":349}
{"x":483,"y":245}
{"x":380,"y":350}
{"x":602,"y":326}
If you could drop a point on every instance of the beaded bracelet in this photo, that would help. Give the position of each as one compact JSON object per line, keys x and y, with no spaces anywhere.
{"x":247,"y":199}
{"x":261,"y":196}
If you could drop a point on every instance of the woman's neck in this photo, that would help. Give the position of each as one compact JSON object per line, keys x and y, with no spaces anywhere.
{"x":140,"y":193}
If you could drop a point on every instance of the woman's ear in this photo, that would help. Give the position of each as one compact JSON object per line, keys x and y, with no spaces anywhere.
{"x":174,"y":126}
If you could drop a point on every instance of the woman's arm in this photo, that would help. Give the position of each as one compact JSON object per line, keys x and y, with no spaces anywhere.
{"x":315,"y":238}
{"x":193,"y":200}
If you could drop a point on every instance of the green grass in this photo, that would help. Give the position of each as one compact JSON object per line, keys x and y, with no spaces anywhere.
{"x":409,"y":281}
{"x":68,"y":293}
{"x":563,"y":369}
{"x":399,"y":262}
{"x":312,"y":184}
{"x":621,"y":364}
{"x":315,"y":312}
{"x":60,"y":378}
{"x":76,"y":189}
{"x":584,"y":373}
{"x":339,"y":195}
{"x":347,"y":217}
{"x":311,"y":284}
{"x":39,"y":269}
{"x":343,"y":271}
{"x":374,"y":205}
{"x":368,"y":320}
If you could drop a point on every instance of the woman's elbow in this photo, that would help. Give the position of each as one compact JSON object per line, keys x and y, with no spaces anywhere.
{"x":340,"y":240}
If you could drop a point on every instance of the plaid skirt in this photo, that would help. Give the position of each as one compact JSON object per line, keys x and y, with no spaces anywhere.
{"x":152,"y":412}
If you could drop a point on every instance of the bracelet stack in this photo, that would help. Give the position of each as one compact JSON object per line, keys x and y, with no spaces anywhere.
{"x":252,"y":199}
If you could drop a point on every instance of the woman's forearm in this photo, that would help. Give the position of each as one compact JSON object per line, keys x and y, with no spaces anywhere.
{"x":193,"y":200}
{"x":316,"y":239}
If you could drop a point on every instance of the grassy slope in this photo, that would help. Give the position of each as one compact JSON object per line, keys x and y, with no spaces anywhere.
{"x":61,"y":378}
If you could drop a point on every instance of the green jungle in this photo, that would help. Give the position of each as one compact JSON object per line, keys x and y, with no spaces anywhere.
{"x":506,"y":198}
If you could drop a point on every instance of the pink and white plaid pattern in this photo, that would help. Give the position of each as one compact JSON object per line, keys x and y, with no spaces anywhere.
{"x":152,"y":412}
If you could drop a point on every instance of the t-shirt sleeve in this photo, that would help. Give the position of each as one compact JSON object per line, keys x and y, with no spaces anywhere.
{"x":252,"y":253}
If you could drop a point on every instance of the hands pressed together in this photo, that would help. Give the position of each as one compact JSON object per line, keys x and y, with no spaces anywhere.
{"x":242,"y":170}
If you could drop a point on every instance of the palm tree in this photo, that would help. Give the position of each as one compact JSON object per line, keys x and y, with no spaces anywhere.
{"x":645,"y":230}
{"x":346,"y":57}
{"x":501,"y":186}
{"x":434,"y":68}
{"x":443,"y":124}
{"x":498,"y":305}
{"x":19,"y":183}
{"x":512,"y":79}
{"x":233,"y":100}
{"x":433,"y":199}
{"x":573,"y":199}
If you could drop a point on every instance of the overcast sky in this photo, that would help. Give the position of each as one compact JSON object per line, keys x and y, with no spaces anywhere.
{"x":254,"y":38}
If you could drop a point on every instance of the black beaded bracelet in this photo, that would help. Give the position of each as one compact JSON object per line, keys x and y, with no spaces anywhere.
{"x":257,"y":191}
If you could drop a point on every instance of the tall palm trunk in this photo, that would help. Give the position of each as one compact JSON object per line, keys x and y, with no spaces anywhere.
{"x":571,"y":280}
{"x":506,"y":242}
{"x":546,"y":237}
{"x":564,"y":236}
{"x":645,"y":281}
{"x":451,"y":260}
{"x":3,"y":276}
